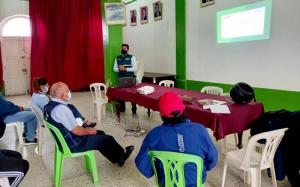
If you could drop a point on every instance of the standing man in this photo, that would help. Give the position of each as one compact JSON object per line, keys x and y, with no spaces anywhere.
{"x":125,"y":66}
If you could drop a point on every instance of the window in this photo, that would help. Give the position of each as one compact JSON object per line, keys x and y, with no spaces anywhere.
{"x":17,"y":26}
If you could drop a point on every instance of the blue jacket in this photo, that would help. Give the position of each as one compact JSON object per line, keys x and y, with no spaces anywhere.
{"x":193,"y":138}
{"x":7,"y":108}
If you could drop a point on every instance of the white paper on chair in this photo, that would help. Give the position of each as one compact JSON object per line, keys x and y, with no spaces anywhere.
{"x":146,"y":90}
{"x":219,"y":109}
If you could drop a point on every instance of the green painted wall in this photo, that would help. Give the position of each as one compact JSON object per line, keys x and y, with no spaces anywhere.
{"x":271,"y":98}
{"x":112,"y":42}
{"x":180,"y":44}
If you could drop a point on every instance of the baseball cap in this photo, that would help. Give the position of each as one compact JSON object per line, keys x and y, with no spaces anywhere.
{"x":169,"y":103}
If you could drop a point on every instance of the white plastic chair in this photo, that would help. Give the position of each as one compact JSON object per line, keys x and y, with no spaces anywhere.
{"x":98,"y":92}
{"x":212,"y":90}
{"x":166,"y":83}
{"x":139,"y":72}
{"x":18,"y":126}
{"x":253,"y":162}
{"x":41,"y":127}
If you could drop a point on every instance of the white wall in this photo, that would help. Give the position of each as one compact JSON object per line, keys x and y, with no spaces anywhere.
{"x":12,"y":7}
{"x":273,"y":63}
{"x":153,"y":43}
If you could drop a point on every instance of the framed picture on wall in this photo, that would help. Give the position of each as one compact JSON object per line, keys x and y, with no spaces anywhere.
{"x":206,"y":2}
{"x":133,"y":17}
{"x":115,"y":13}
{"x":157,"y":10}
{"x":144,"y":14}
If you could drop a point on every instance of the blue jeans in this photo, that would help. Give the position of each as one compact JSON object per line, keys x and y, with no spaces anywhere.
{"x":29,"y":119}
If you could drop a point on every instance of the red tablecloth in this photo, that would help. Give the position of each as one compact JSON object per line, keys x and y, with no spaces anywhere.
{"x":238,"y":120}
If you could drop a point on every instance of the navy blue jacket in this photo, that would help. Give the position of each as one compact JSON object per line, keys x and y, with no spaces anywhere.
{"x":193,"y":138}
{"x":7,"y":108}
{"x":125,"y":60}
{"x":71,"y":139}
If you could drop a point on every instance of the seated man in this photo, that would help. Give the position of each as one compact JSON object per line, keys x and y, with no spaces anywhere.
{"x":9,"y":112}
{"x":63,"y":116}
{"x":177,"y":134}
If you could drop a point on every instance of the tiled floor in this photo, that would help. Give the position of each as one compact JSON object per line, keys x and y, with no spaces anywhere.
{"x":74,"y":173}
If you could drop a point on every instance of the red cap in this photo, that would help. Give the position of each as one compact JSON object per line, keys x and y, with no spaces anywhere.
{"x":170,"y":102}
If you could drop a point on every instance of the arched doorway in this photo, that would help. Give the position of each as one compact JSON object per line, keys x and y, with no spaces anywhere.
{"x":15,"y":36}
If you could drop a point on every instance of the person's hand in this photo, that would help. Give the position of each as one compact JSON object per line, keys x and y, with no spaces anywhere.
{"x":20,"y":108}
{"x":122,"y":68}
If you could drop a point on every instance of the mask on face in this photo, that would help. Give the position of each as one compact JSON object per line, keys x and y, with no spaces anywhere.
{"x":45,"y":89}
{"x":69,"y":95}
{"x":123,"y":52}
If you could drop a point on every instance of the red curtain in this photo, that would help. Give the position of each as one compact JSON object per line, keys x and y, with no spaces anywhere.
{"x":67,"y":41}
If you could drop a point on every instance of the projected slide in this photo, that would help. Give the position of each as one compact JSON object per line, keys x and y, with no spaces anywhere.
{"x":245,"y":23}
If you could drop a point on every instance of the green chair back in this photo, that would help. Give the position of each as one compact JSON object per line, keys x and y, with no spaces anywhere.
{"x":59,"y":140}
{"x":173,"y":164}
{"x":62,"y":151}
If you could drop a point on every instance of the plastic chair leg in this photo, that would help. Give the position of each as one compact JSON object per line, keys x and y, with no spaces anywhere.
{"x":273,"y":175}
{"x":112,"y":107}
{"x":87,"y":163}
{"x":40,"y":139}
{"x":255,"y":177}
{"x":104,"y":109}
{"x":224,"y":174}
{"x":98,"y":112}
{"x":58,"y":167}
{"x":93,"y":167}
{"x":223,"y":146}
{"x":247,"y":177}
{"x":19,"y":132}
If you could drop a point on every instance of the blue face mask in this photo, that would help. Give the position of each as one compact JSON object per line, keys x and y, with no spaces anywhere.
{"x":45,"y":89}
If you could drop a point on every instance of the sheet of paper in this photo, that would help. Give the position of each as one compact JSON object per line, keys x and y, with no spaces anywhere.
{"x":219,"y":109}
{"x":210,"y":102}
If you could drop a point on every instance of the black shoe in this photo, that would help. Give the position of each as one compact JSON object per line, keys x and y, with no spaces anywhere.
{"x":125,"y":156}
{"x":27,"y":142}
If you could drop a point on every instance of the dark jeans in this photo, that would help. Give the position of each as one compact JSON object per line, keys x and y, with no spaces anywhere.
{"x":13,"y":165}
{"x":105,"y":144}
